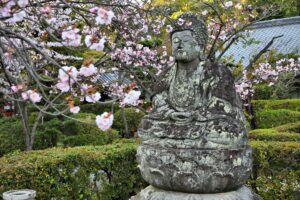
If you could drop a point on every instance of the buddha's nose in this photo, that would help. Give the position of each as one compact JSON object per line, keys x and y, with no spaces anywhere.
{"x":180,"y":46}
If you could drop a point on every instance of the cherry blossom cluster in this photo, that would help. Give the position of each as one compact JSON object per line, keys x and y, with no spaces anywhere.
{"x":49,"y":41}
{"x":266,"y":73}
{"x":14,"y":10}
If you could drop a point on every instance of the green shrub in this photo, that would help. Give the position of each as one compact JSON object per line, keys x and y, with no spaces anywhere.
{"x":11,"y":135}
{"x":276,"y":169}
{"x":291,"y":127}
{"x":47,"y":134}
{"x":46,"y":139}
{"x":85,"y":132}
{"x":133,"y":119}
{"x":263,"y":91}
{"x":92,"y":172}
{"x":271,"y":118}
{"x":273,"y":135}
{"x":96,"y":109}
{"x":289,"y":104}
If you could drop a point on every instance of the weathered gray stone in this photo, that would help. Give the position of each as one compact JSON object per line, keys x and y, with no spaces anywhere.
{"x":195,"y":139}
{"x":152,"y":193}
{"x":195,"y":170}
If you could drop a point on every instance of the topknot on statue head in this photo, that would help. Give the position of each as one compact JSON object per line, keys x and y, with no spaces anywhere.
{"x":192,"y":22}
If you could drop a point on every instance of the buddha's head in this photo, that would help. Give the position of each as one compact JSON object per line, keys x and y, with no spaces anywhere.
{"x":189,"y":39}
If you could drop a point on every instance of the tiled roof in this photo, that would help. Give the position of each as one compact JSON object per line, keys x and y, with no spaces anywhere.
{"x":112,"y":77}
{"x":264,"y":31}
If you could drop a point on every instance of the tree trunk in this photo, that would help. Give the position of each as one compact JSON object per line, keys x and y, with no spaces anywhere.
{"x":250,"y":111}
{"x":126,"y":130}
{"x":25,"y":123}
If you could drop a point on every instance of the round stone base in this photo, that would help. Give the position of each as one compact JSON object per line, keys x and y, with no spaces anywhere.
{"x":196,"y":171}
{"x":152,"y":193}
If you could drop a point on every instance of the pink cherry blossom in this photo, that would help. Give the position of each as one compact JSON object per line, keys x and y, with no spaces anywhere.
{"x":16,"y":88}
{"x":25,"y":95}
{"x":94,"y":9}
{"x":131,"y":98}
{"x":98,"y":46}
{"x":93,"y":98}
{"x":75,"y":109}
{"x":23,"y":3}
{"x":17,"y":17}
{"x":228,"y":4}
{"x":45,"y":9}
{"x":32,"y":95}
{"x":66,"y":72}
{"x":88,"y":70}
{"x":180,"y":21}
{"x":63,"y":86}
{"x":104,"y":121}
{"x":205,"y":12}
{"x":71,"y":37}
{"x":104,"y":16}
{"x":5,"y":12}
{"x":169,"y":28}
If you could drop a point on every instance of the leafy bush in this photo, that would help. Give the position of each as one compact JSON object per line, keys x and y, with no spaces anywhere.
{"x":85,"y":132}
{"x":92,"y":172}
{"x":273,"y":135}
{"x":271,"y":118}
{"x":291,"y":127}
{"x":263,"y":91}
{"x":133,"y":119}
{"x":11,"y":135}
{"x":47,"y":134}
{"x":289,"y":104}
{"x":276,"y":169}
{"x":96,"y":109}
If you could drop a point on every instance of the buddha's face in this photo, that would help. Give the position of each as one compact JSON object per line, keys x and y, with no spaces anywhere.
{"x":185,"y":48}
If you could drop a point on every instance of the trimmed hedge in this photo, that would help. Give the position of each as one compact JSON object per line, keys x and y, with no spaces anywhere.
{"x":86,"y":133}
{"x":289,"y":104}
{"x":273,"y":135}
{"x":271,"y":118}
{"x":91,"y":172}
{"x":276,"y":170}
{"x":65,"y":173}
{"x":291,"y":127}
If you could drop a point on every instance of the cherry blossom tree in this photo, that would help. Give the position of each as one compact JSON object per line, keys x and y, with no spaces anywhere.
{"x":54,"y":51}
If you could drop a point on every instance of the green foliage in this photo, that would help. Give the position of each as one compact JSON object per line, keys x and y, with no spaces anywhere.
{"x":273,"y":135}
{"x":272,"y":118}
{"x":290,"y":104}
{"x":46,"y":138}
{"x":291,"y":127}
{"x":92,"y":172}
{"x":263,"y":91}
{"x":271,"y":113}
{"x":47,"y":134}
{"x":276,"y":169}
{"x":95,"y":108}
{"x":11,"y":135}
{"x":85,"y":132}
{"x":133,"y":119}
{"x":286,"y":8}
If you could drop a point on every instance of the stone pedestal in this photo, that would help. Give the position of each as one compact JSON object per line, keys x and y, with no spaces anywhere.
{"x":152,"y":193}
{"x":195,"y":170}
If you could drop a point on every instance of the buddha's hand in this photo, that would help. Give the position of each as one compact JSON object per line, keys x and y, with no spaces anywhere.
{"x":181,"y":116}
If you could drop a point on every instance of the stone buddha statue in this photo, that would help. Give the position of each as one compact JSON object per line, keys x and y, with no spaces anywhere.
{"x":199,"y":102}
{"x":195,"y":138}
